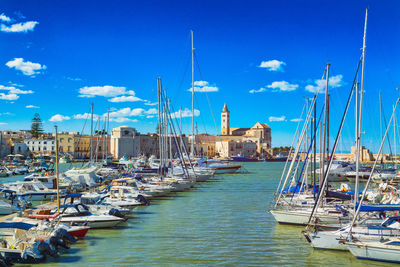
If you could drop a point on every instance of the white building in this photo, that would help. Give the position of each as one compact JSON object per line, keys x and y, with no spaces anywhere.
{"x":21,"y":148}
{"x":125,"y":140}
{"x":41,"y":146}
{"x":231,"y":148}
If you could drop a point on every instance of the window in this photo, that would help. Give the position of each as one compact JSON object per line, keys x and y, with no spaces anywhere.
{"x":52,"y":148}
{"x":44,"y":148}
{"x":61,"y":139}
{"x":45,"y":142}
{"x":69,"y":140}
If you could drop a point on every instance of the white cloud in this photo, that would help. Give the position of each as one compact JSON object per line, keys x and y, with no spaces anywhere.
{"x":203,"y":86}
{"x":148,"y":103}
{"x":31,"y":106}
{"x":280,"y":86}
{"x":59,"y":118}
{"x":7,"y":113}
{"x":273,"y":65}
{"x":185,"y":113}
{"x":149,"y":116}
{"x":296,"y":120}
{"x":320,"y":85}
{"x":19,"y":27}
{"x":106,"y":91}
{"x":120,"y":115}
{"x":3,"y":123}
{"x":8,"y":96}
{"x":26,"y":67}
{"x":3,"y":17}
{"x":85,"y":116}
{"x":123,"y":119}
{"x":124,"y":98}
{"x":13,"y":90}
{"x":283,"y":86}
{"x":151,"y":111}
{"x":200,"y":83}
{"x":281,"y":118}
{"x":261,"y":90}
{"x":73,"y":79}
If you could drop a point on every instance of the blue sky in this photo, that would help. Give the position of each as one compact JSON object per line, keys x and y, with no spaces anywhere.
{"x":60,"y":56}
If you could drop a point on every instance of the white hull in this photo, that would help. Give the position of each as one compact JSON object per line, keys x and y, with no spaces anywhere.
{"x":92,"y":224}
{"x":302,"y":217}
{"x":330,"y":239}
{"x":366,"y":252}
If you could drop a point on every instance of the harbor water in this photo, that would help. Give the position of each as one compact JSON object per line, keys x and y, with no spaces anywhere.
{"x":221,"y":222}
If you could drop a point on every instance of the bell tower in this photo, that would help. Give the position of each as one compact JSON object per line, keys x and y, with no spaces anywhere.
{"x":225,"y":117}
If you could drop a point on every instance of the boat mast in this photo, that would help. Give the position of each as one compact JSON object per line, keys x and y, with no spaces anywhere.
{"x":57,"y":171}
{"x":108,"y":122}
{"x":315,"y":143}
{"x":394,"y":138}
{"x":380,"y":112}
{"x":356,"y":122}
{"x":325,"y":122}
{"x":192,"y":145}
{"x":360,"y":112}
{"x":91,"y":133}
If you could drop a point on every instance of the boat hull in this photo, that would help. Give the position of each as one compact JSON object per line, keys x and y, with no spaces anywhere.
{"x":374,"y":253}
{"x":302,"y":218}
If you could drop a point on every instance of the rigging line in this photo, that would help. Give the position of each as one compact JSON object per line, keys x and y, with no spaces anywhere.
{"x":208,"y":100}
{"x":178,"y":92}
{"x":298,"y":146}
{"x":202,"y":120}
{"x":290,"y":151}
{"x":388,"y":137}
{"x":329,"y":163}
{"x":80,"y":137}
{"x":308,"y":152}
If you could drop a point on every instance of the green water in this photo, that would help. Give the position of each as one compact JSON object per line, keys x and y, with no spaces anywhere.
{"x":220,"y":222}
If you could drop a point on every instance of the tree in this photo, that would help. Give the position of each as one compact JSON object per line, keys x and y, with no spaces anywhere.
{"x":36,"y":126}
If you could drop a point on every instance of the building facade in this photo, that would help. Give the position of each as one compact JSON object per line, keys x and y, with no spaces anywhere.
{"x":231,"y":148}
{"x":125,"y":141}
{"x":260,"y":134}
{"x":41,"y":146}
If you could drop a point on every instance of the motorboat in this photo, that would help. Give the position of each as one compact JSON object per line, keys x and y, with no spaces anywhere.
{"x":79,"y":214}
{"x":31,"y":190}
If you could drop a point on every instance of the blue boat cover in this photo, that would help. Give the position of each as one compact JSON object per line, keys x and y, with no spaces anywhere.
{"x":378,"y":207}
{"x":17,"y":225}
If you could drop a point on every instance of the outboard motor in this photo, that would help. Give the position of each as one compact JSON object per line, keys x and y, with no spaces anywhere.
{"x":117,"y":213}
{"x":45,"y":249}
{"x":142,"y":200}
{"x":64,"y":235}
{"x":56,"y":242}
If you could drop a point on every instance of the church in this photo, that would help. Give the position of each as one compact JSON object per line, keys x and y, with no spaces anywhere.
{"x":260,"y":134}
{"x":254,"y":142}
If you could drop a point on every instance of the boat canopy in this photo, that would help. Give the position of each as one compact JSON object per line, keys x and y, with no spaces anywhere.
{"x":379,"y":207}
{"x":17,"y":225}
